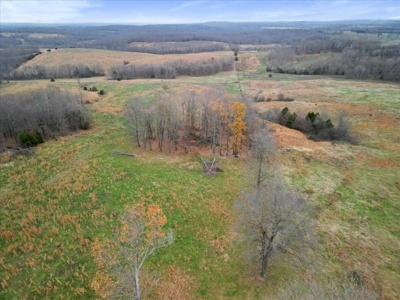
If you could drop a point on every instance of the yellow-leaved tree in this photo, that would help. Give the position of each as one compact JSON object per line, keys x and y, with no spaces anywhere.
{"x":238,"y":126}
{"x":120,"y":260}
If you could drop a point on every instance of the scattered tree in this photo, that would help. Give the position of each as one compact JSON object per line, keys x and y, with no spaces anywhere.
{"x":275,"y":220}
{"x":263,"y":145}
{"x":238,"y":126}
{"x":120,"y":261}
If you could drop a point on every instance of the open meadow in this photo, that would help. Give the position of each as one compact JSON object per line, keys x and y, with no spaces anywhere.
{"x":55,"y":204}
{"x":106,"y":58}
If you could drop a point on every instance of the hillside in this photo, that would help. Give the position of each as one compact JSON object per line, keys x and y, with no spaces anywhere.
{"x":107,"y":58}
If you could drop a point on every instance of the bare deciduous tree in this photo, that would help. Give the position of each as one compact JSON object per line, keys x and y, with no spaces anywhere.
{"x":120,"y":261}
{"x":275,"y":220}
{"x":263,"y":145}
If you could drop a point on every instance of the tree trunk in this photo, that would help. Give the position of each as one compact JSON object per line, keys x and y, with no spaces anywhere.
{"x":137,"y":284}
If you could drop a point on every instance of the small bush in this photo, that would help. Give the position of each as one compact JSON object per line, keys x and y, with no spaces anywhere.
{"x":259,"y":97}
{"x":290,"y":122}
{"x":78,"y":120}
{"x":52,"y":80}
{"x":126,"y":62}
{"x":48,"y":50}
{"x":30,"y":138}
{"x":85,"y":88}
{"x":236,"y":58}
{"x":38,"y":136}
{"x":93,"y":89}
{"x":269,"y":75}
{"x":312,"y":116}
{"x":102,"y":92}
{"x":119,"y":79}
{"x":281,"y":97}
{"x":268,"y":69}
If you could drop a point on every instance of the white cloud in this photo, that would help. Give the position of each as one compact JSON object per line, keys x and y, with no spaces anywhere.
{"x":185,"y":5}
{"x":46,"y":11}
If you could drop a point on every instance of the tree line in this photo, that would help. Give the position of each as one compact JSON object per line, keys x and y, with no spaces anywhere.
{"x":180,"y":47}
{"x":355,"y":59}
{"x":208,"y":119}
{"x":171,"y":70}
{"x":61,"y":71}
{"x":45,"y":113}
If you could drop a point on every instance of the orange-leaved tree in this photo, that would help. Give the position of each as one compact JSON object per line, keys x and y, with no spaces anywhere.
{"x":239,"y":125}
{"x":120,"y":260}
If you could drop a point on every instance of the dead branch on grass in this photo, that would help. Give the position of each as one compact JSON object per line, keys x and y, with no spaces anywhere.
{"x":210,"y":168}
{"x":118,"y":152}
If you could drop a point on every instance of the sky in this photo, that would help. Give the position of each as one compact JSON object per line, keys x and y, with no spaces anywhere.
{"x":167,"y":12}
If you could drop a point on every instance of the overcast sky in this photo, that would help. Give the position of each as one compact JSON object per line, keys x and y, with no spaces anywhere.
{"x":161,"y":12}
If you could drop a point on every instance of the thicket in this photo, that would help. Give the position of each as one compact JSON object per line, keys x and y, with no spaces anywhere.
{"x":318,"y":126}
{"x":171,"y":70}
{"x":209,"y":119}
{"x":28,"y":119}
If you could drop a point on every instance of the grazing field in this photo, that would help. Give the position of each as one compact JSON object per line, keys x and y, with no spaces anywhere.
{"x":54,"y":204}
{"x":107,"y":58}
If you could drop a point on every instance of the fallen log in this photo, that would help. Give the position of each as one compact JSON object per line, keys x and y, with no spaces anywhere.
{"x":117,"y":152}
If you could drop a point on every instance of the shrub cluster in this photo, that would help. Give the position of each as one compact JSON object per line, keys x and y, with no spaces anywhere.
{"x":317,"y":126}
{"x":281,"y":97}
{"x":30,"y":118}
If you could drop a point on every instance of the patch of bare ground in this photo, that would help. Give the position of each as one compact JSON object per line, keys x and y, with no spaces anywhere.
{"x":107,"y":58}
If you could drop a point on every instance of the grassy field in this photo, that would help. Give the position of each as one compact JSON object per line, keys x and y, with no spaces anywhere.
{"x":107,"y":58}
{"x":53,"y":205}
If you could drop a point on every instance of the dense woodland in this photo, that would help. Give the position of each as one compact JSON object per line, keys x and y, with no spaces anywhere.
{"x":357,"y":48}
{"x":44,"y":113}
{"x":354,"y":58}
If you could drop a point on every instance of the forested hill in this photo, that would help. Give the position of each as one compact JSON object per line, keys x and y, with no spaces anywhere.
{"x":20,"y":43}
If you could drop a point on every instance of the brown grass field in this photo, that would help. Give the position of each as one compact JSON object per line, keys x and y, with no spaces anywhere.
{"x":107,"y":58}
